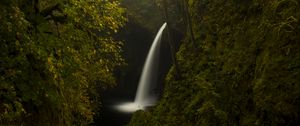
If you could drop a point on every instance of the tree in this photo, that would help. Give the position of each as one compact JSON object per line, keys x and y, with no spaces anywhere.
{"x":54,"y":53}
{"x":244,"y":72}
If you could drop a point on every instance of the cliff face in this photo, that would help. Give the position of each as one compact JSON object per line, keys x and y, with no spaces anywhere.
{"x":242,"y":69}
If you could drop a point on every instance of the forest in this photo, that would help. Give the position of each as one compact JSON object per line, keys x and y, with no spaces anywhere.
{"x":55,"y":55}
{"x":227,"y":62}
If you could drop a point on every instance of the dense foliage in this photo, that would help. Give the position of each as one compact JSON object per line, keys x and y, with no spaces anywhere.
{"x":144,"y":13}
{"x":54,"y":55}
{"x":242,"y":69}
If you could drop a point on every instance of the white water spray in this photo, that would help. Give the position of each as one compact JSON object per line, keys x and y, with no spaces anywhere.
{"x":144,"y":95}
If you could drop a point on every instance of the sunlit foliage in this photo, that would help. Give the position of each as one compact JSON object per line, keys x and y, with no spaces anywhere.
{"x":54,"y":54}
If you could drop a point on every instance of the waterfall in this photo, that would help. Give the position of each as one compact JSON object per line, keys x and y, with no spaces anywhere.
{"x":144,"y":95}
{"x":149,"y":74}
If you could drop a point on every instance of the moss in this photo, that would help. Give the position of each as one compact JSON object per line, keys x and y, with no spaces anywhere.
{"x":244,"y":71}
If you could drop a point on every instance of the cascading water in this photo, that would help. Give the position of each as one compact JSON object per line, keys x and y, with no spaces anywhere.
{"x":144,"y":97}
{"x":149,"y":74}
